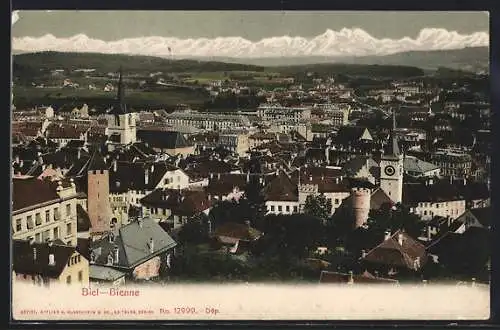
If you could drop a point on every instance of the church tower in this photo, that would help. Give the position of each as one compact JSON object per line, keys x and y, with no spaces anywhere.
{"x":98,"y":204}
{"x":391,"y":168}
{"x":121,"y":128}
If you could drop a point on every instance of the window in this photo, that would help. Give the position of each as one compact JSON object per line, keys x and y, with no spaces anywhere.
{"x":288,"y":208}
{"x":38,"y":219}
{"x":80,"y":276}
{"x":56,"y":233}
{"x":47,"y":216}
{"x":295,"y":209}
{"x":30,"y":222}
{"x":68,"y":279}
{"x":280,"y":208}
{"x":68,"y":229}
{"x":19,"y":225}
{"x":337,"y":201}
{"x":78,"y":258}
{"x":38,"y":237}
{"x":272,"y":208}
{"x":425,"y":212}
{"x":56,"y":214}
{"x":68,"y":209}
{"x":46,"y":235}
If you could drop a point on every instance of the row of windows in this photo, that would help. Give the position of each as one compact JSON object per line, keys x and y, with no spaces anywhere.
{"x":80,"y":277}
{"x":38,"y":219}
{"x":272,"y":208}
{"x":431,"y":213}
{"x":45,"y":235}
{"x":74,"y":260}
{"x":171,"y":180}
{"x":437,"y":205}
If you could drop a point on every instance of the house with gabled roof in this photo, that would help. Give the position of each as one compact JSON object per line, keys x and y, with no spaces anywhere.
{"x":175,"y":207}
{"x":281,"y":195}
{"x":398,"y":253}
{"x":48,"y":263}
{"x":140,"y":249}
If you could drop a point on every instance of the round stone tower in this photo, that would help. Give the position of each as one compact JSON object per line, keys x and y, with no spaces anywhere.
{"x":360,"y":205}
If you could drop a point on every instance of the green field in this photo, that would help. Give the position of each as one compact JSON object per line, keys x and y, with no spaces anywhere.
{"x":29,"y":97}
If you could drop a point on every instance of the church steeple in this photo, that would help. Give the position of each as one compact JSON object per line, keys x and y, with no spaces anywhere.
{"x":120,"y":107}
{"x":392,"y":149}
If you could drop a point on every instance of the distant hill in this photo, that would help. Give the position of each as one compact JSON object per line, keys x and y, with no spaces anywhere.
{"x":130,"y":63}
{"x":471,"y":59}
{"x":30,"y":64}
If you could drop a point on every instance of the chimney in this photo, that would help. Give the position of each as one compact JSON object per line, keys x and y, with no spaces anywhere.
{"x":52,"y":261}
{"x":387,"y":235}
{"x":151,"y":245}
{"x":116,"y":255}
{"x":351,"y":278}
{"x":400,"y":239}
{"x":110,"y":260}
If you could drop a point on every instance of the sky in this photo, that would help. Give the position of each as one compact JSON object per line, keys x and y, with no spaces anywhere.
{"x":254,"y":33}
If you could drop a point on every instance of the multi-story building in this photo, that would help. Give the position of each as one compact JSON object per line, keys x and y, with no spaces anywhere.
{"x":273,"y":113}
{"x":207,"y":121}
{"x":48,"y":264}
{"x":430,"y":199}
{"x":453,"y":164}
{"x":44,"y":210}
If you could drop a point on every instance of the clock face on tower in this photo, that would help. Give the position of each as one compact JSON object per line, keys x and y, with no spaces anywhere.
{"x":389,"y":170}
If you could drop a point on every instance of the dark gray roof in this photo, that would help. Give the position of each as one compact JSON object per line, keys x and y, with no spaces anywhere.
{"x":104,"y":273}
{"x":413,"y":164}
{"x":163,"y":139}
{"x":132,"y":241}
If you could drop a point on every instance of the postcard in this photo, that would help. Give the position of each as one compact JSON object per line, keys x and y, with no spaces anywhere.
{"x":245,"y":165}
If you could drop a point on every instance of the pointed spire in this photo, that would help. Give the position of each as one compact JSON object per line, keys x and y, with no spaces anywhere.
{"x":395,"y":147}
{"x":392,"y":149}
{"x":120,"y":94}
{"x":120,"y":107}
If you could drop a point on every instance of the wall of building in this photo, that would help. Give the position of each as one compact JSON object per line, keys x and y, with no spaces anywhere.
{"x":280,"y":207}
{"x":148,"y":270}
{"x":76,"y":271}
{"x":64,"y":228}
{"x":428,"y":210}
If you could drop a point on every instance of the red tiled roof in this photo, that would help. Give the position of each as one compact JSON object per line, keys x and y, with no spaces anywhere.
{"x":391,"y":253}
{"x":31,"y":191}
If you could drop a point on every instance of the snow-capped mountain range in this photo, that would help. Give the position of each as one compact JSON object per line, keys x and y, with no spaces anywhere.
{"x":346,"y":42}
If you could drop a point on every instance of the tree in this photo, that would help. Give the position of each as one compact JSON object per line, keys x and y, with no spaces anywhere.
{"x":318,"y":206}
